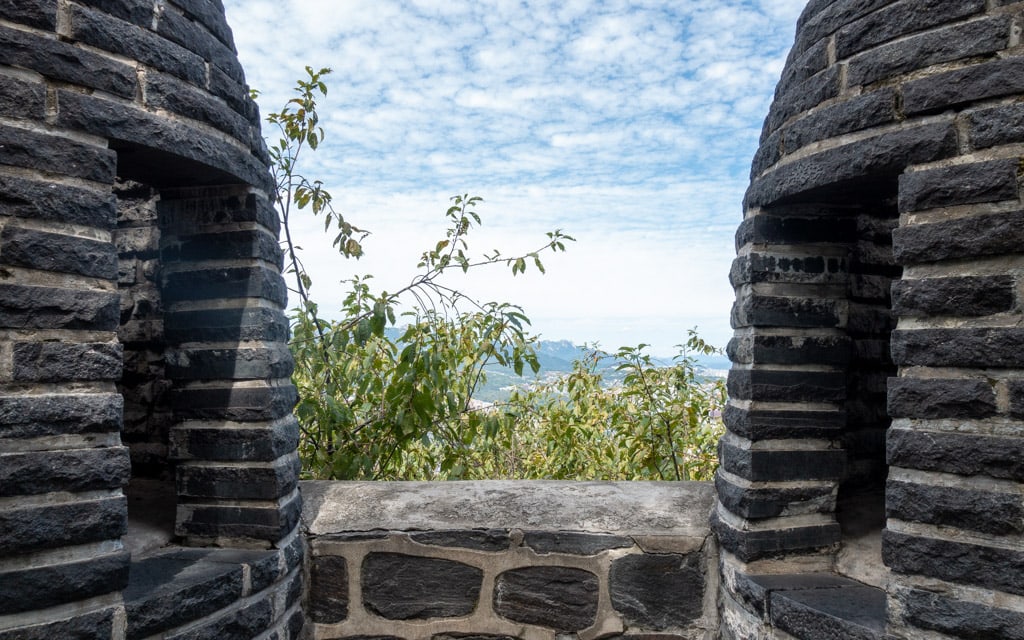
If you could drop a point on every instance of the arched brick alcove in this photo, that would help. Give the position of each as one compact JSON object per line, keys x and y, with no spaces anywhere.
{"x":142,"y":340}
{"x":874,"y":421}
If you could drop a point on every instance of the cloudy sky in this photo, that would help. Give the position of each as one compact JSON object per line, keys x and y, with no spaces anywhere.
{"x":629,"y":124}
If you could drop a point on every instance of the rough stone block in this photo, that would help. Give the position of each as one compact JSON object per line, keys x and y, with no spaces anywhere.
{"x":756,"y":310}
{"x":977,"y":235}
{"x":33,"y":249}
{"x":561,"y":598}
{"x":802,"y":66}
{"x":270,"y":523}
{"x":65,"y":62}
{"x":1000,"y":77}
{"x":995,"y":568}
{"x":936,"y":612}
{"x":985,"y":511}
{"x":30,"y":529}
{"x":974,"y":38}
{"x":55,"y":202}
{"x":328,"y":589}
{"x":41,"y":587}
{"x":225,"y":325}
{"x":29,"y":307}
{"x":36,"y":416}
{"x":210,"y":15}
{"x":62,"y":362}
{"x":234,"y":403}
{"x":17,"y":97}
{"x":962,"y":454}
{"x":850,"y":612}
{"x":782,"y":465}
{"x":225,"y":245}
{"x":53,"y":154}
{"x":932,"y":398}
{"x":403,"y":587}
{"x":982,"y":348}
{"x":821,"y":18}
{"x":239,"y":625}
{"x":757,"y":267}
{"x":138,"y":12}
{"x":167,"y":92}
{"x":775,"y":349}
{"x":97,"y":625}
{"x":582,"y":544}
{"x":73,"y":470}
{"x":658,"y":591}
{"x":967,"y":296}
{"x":242,"y":363}
{"x":226,"y":283}
{"x":787,"y":386}
{"x":191,"y":35}
{"x":900,"y":19}
{"x":989,"y":181}
{"x":239,"y":482}
{"x":478,"y":540}
{"x":772,"y":543}
{"x":809,"y":93}
{"x":763,"y":424}
{"x":253,"y":444}
{"x":41,"y":14}
{"x":771,"y":502}
{"x":996,"y":126}
{"x":856,"y":114}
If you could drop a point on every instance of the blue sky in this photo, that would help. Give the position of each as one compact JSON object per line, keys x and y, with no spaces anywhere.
{"x":628,"y":124}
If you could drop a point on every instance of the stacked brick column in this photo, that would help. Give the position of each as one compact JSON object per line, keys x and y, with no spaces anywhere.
{"x":878,"y":281}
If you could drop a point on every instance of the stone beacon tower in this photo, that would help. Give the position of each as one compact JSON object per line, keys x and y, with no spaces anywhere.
{"x":144,"y":373}
{"x":872,"y":473}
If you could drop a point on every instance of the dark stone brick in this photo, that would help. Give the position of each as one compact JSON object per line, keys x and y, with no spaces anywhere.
{"x":957,"y":562}
{"x":968,"y":620}
{"x":32,"y":529}
{"x":962,"y":454}
{"x":561,"y":598}
{"x":62,"y":362}
{"x":56,"y":202}
{"x":773,"y":349}
{"x":856,"y":114}
{"x":967,"y":296}
{"x":239,"y":482}
{"x":931,"y":398}
{"x":257,"y":444}
{"x":822,"y":18}
{"x":802,"y":66}
{"x":806,"y":95}
{"x":236,"y":404}
{"x":74,"y":470}
{"x":478,"y":540}
{"x":226,"y":325}
{"x":33,"y":249}
{"x":226,"y":283}
{"x":996,"y":126}
{"x":772,"y":543}
{"x":851,"y":613}
{"x":57,"y":155}
{"x":781,"y":465}
{"x":582,"y":544}
{"x":980,"y":235}
{"x":296,"y":623}
{"x":29,"y":416}
{"x":191,"y":35}
{"x":138,"y":43}
{"x":755,"y":310}
{"x":167,"y":92}
{"x":269,"y":523}
{"x":51,"y":585}
{"x":787,"y":386}
{"x":242,"y":363}
{"x":839,"y":169}
{"x":959,"y":348}
{"x":900,"y":19}
{"x":88,"y":626}
{"x":790,"y":230}
{"x":65,"y":62}
{"x":22,"y":99}
{"x":210,"y":15}
{"x":985,"y":511}
{"x":240,"y":625}
{"x":138,"y":12}
{"x":185,"y":215}
{"x":402,"y":587}
{"x":759,"y":267}
{"x":756,"y":590}
{"x":328,"y":589}
{"x":762,"y":424}
{"x":975,"y":38}
{"x":471,"y":636}
{"x":235,"y":94}
{"x":173,"y":588}
{"x":990,"y":181}
{"x":771,"y":502}
{"x":658,"y":591}
{"x":227,"y":245}
{"x":1002,"y":77}
{"x":28,"y":307}
{"x":41,"y":14}
{"x":1016,"y":389}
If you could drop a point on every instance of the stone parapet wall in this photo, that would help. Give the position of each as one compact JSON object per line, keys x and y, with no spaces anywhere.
{"x":526,"y":560}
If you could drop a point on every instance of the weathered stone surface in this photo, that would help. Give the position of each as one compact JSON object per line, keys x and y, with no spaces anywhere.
{"x":58,"y":414}
{"x":658,"y":591}
{"x":755,"y":545}
{"x":990,"y":181}
{"x":899,"y":19}
{"x":230,"y":403}
{"x":782,"y":465}
{"x":328,"y":589}
{"x":32,"y":529}
{"x":802,"y":66}
{"x":38,"y":200}
{"x":795,"y":230}
{"x":821,"y":18}
{"x":239,"y":482}
{"x":809,"y":93}
{"x":50,"y":585}
{"x":940,"y":398}
{"x":89,"y":626}
{"x":999,"y":125}
{"x":756,"y":310}
{"x":978,"y":37}
{"x":402,"y":587}
{"x":73,"y":470}
{"x":990,"y":567}
{"x":62,"y":362}
{"x":959,"y":347}
{"x":471,"y":636}
{"x":26,"y":99}
{"x":53,"y":154}
{"x":856,"y":114}
{"x":479,"y":540}
{"x":239,"y":625}
{"x":226,"y":283}
{"x":57,"y":252}
{"x":977,"y":235}
{"x":787,"y":386}
{"x":966,"y":296}
{"x":758,"y":267}
{"x":927,"y":610}
{"x":796,"y":349}
{"x":584,"y":544}
{"x":34,"y":13}
{"x":270,"y":523}
{"x":29,"y":307}
{"x":771,"y":502}
{"x":185,"y":212}
{"x":963,"y":454}
{"x":984,"y":511}
{"x":1000,"y":77}
{"x":226,"y":245}
{"x":223,"y":325}
{"x":774,"y":425}
{"x":849,"y":612}
{"x":257,"y":444}
{"x":562,"y":598}
{"x":138,"y":12}
{"x":240,"y":363}
{"x":756,"y":590}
